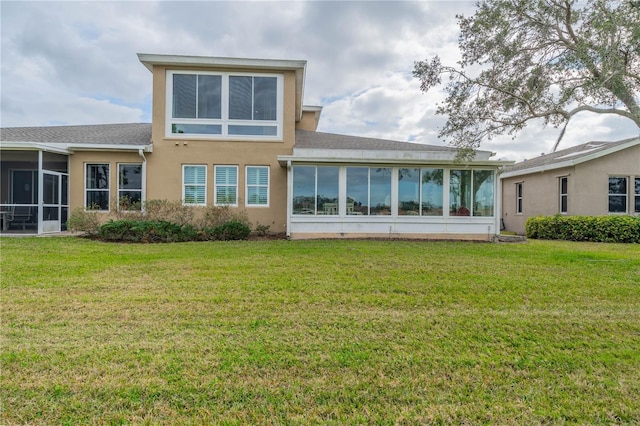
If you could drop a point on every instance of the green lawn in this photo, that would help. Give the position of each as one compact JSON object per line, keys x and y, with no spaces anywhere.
{"x":319,"y":332}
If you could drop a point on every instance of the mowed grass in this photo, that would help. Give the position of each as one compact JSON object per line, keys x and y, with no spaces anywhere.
{"x":319,"y":332}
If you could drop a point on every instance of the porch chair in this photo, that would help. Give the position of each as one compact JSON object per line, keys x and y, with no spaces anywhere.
{"x":21,"y":214}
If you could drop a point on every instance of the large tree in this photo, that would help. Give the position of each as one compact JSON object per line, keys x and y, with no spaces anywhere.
{"x":538,"y":59}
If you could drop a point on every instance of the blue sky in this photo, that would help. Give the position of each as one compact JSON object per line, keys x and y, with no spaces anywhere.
{"x":75,"y":62}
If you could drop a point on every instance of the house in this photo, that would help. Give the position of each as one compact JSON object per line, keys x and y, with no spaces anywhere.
{"x":595,"y":178}
{"x":235,"y":132}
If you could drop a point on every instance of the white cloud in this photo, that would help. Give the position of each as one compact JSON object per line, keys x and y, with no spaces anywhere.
{"x":75,"y":62}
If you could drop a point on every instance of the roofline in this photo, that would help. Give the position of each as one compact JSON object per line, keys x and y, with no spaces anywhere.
{"x":572,"y":162}
{"x":69,"y":148}
{"x":297,"y":65}
{"x":384,"y":157}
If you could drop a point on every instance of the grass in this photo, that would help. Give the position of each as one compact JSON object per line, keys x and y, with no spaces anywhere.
{"x":319,"y":332}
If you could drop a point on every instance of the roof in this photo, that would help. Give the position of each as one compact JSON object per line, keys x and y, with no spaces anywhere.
{"x":321,"y":147}
{"x":96,"y":134}
{"x":569,"y":157}
{"x":320,"y":140}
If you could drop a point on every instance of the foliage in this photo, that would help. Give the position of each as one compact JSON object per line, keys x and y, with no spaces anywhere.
{"x":262,"y":230}
{"x":170,"y":211}
{"x":538,"y":59}
{"x":217,"y":215}
{"x":147,"y":231}
{"x":319,"y":332}
{"x":84,"y":221}
{"x":228,"y":231}
{"x":609,"y":229}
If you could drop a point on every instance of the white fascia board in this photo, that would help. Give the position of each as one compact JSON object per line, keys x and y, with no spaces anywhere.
{"x":570,"y":163}
{"x":35,"y":146}
{"x":382,"y":157}
{"x":109,"y":147}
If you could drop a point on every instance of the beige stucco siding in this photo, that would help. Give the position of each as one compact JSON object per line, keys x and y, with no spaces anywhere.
{"x":588,"y":188}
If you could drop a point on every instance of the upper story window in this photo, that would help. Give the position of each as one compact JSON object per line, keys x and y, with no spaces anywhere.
{"x":224,"y":105}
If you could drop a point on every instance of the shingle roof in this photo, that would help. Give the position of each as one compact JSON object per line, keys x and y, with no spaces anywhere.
{"x":573,"y":154}
{"x":113,"y":134}
{"x":319,"y":140}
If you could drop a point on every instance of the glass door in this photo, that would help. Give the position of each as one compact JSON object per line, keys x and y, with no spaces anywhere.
{"x":54,"y":201}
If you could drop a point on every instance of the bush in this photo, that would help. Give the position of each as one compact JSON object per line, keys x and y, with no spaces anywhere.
{"x":609,"y":229}
{"x":233,"y":230}
{"x":169,"y":211}
{"x":218,"y":215}
{"x":147,"y":231}
{"x":82,"y":220}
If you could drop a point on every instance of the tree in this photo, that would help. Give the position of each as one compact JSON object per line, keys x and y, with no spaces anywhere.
{"x":538,"y":59}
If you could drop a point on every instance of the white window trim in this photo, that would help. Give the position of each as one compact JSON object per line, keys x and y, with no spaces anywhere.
{"x":215,"y":185}
{"x":519,"y":198}
{"x":246,"y":186}
{"x":563,"y":194}
{"x":203,"y":185}
{"x":224,"y":121}
{"x":86,"y":165}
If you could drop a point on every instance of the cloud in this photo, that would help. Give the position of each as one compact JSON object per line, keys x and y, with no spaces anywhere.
{"x":75,"y":62}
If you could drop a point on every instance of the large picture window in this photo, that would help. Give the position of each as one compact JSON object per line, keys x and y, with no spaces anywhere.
{"x":420,"y":192}
{"x":130,"y":186}
{"x":224,"y":104}
{"x":471,"y":193}
{"x":369,"y":190}
{"x":617,"y":194}
{"x":226,"y":185}
{"x":97,"y":187}
{"x":194,"y":185}
{"x":257,"y":190}
{"x":315,"y":190}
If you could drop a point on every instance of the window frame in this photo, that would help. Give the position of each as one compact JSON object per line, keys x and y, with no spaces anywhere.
{"x":563,"y":195}
{"x":226,"y":185}
{"x":636,"y":194}
{"x":624,"y":195}
{"x":184,"y":185}
{"x":87,"y":189}
{"x":119,"y":190}
{"x":248,"y":185}
{"x":319,"y":209}
{"x":224,"y":121}
{"x":519,"y":198}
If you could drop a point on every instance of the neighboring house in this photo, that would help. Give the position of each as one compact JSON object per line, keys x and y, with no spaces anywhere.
{"x":596,"y":178}
{"x":235,"y":132}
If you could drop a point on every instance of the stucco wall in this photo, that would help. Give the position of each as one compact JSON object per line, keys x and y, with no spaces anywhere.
{"x":587,"y":188}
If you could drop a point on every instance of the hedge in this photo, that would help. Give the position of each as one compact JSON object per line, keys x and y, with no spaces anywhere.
{"x":161,"y":231}
{"x":607,"y":229}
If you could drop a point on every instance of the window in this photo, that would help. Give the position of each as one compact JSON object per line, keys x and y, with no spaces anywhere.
{"x":519,"y":198}
{"x":471,"y":193}
{"x":617,"y":194}
{"x":564,"y":194}
{"x":130,"y":186}
{"x":224,"y":105}
{"x":369,"y":191}
{"x":315,"y":190}
{"x":637,"y":195}
{"x":97,"y":187}
{"x":257,"y":191}
{"x":460,"y":193}
{"x":419,"y":192}
{"x":194,"y":185}
{"x":226,"y":185}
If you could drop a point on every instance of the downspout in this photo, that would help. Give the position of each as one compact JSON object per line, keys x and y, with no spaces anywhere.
{"x":144,"y":178}
{"x":289,"y":198}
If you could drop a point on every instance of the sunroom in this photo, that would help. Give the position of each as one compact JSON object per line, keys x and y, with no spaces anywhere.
{"x":396,"y":189}
{"x":34,"y":189}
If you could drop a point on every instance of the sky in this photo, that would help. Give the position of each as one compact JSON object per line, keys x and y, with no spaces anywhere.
{"x":70,"y":63}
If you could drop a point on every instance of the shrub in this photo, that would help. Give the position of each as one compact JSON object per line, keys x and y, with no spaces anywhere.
{"x":147,"y":231}
{"x":82,"y":220}
{"x":218,"y":215}
{"x":610,"y":229}
{"x":169,"y":211}
{"x":262,"y":230}
{"x":233,"y":230}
